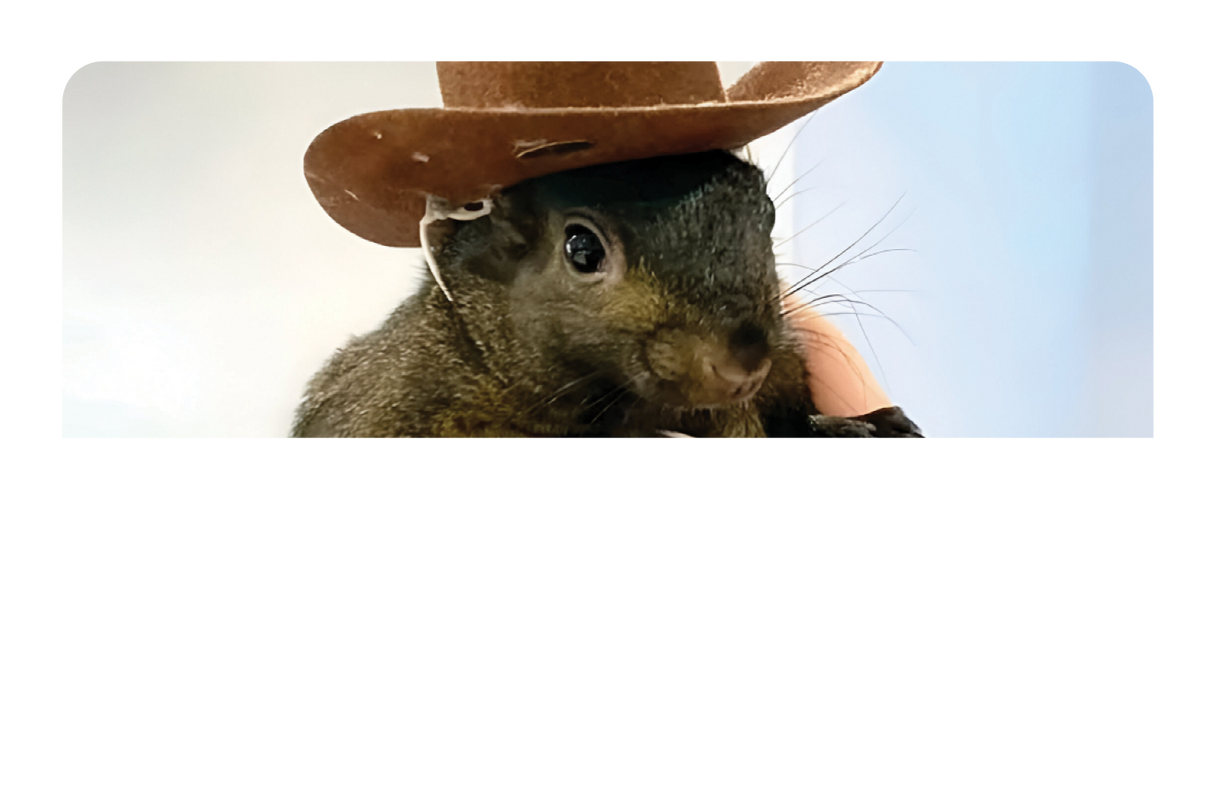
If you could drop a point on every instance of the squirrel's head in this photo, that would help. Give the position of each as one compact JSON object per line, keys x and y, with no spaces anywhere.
{"x":654,"y":275}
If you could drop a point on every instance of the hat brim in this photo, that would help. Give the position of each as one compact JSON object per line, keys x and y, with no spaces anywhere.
{"x":372,"y":173}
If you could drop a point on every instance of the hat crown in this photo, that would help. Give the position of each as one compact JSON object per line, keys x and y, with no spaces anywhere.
{"x":557,"y":85}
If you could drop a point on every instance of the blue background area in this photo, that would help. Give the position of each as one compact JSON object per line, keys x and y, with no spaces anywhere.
{"x":203,"y":285}
{"x":1029,"y":189}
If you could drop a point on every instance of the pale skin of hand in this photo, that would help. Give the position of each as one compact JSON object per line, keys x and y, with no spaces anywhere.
{"x":840,"y":381}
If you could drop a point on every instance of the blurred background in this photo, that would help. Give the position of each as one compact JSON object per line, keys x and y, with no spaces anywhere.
{"x":203,"y":285}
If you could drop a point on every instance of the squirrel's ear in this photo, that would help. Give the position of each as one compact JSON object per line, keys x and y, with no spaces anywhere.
{"x":440,"y":212}
{"x":486,"y":238}
{"x":509,"y":231}
{"x":489,"y":235}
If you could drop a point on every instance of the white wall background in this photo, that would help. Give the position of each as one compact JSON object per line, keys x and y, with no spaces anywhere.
{"x":203,"y":285}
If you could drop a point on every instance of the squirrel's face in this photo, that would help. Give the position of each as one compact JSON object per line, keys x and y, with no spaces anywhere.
{"x":655,"y":275}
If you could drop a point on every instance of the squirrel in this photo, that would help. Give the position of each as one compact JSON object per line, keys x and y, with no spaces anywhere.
{"x":625,"y":299}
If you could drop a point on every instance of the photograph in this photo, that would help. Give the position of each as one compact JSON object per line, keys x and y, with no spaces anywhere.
{"x":945,"y":249}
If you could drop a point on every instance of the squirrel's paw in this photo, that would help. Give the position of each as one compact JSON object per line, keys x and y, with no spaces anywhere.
{"x":888,"y":422}
{"x":891,"y":422}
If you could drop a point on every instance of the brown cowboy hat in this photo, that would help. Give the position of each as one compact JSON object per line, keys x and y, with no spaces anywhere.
{"x":505,"y":122}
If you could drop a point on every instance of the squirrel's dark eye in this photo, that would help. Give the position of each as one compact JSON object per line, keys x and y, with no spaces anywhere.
{"x":583,"y":248}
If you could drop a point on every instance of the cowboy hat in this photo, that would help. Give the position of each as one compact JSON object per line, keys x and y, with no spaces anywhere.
{"x":505,"y":122}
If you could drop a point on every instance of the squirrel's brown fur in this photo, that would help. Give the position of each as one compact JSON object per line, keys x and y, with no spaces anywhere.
{"x":675,"y":324}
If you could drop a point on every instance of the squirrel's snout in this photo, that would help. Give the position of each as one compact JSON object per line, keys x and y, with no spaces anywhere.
{"x":730,"y":382}
{"x":698,"y":371}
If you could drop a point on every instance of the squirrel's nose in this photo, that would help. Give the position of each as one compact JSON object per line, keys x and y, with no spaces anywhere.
{"x":727,"y":380}
{"x":738,"y":372}
{"x":750,"y":358}
{"x":735,"y":373}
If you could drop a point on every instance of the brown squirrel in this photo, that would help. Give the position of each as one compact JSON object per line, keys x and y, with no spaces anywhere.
{"x":637,"y":298}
